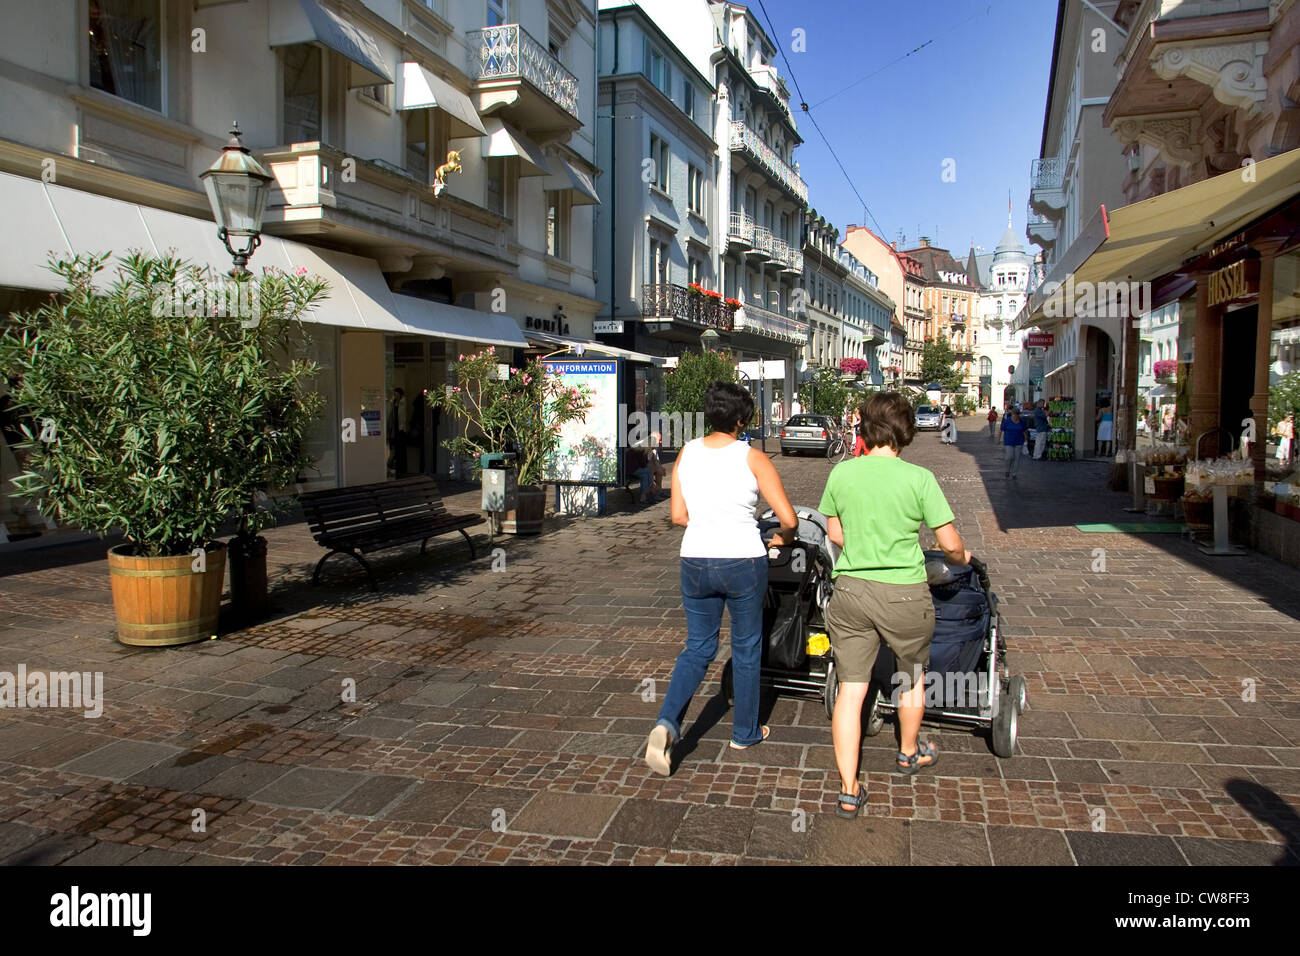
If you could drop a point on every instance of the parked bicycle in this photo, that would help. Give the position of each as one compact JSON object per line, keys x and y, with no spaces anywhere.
{"x":842,"y":445}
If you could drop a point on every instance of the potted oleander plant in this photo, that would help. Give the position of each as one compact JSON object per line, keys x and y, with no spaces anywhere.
{"x":167,"y":402}
{"x":502,"y":408}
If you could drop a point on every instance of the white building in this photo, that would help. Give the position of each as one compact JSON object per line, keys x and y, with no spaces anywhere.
{"x":109,"y":111}
{"x":1003,"y":276}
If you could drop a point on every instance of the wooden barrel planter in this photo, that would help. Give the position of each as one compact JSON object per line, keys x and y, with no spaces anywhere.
{"x":162,"y":602}
{"x":526,"y":518}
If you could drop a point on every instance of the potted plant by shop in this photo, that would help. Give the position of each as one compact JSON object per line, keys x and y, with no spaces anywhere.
{"x":165,"y":400}
{"x":522,"y":410}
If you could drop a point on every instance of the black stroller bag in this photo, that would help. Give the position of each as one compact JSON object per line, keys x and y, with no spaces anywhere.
{"x":790,"y":580}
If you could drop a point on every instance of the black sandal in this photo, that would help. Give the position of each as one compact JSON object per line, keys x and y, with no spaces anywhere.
{"x":856,"y":800}
{"x":909,"y":764}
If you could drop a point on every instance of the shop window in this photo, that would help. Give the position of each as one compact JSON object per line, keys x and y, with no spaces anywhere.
{"x":126,"y":50}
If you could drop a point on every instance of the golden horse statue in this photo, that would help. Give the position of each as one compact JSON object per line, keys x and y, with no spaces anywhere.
{"x":452,"y":165}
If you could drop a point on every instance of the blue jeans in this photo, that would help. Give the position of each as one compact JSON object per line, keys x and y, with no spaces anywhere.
{"x":644,"y":474}
{"x":708,"y":584}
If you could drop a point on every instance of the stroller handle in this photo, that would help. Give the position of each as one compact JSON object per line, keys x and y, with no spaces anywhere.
{"x":981,"y":571}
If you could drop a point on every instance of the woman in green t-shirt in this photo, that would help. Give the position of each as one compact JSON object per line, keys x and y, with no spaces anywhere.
{"x":875,"y":505}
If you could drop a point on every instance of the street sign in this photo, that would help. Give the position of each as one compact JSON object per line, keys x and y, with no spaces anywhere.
{"x":1039,"y":340}
{"x":607,"y":327}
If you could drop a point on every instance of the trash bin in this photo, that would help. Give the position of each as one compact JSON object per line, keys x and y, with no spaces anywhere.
{"x":499,"y":482}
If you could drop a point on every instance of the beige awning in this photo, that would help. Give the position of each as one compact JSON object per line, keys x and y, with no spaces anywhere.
{"x":503,"y":140}
{"x":569,"y":176}
{"x":306,"y":21}
{"x":423,"y":90}
{"x":1154,"y":237}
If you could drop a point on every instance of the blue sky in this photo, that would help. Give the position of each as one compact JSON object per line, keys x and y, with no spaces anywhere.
{"x":975,"y":95}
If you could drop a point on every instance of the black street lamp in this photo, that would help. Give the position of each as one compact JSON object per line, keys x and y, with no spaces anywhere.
{"x":237,"y":186}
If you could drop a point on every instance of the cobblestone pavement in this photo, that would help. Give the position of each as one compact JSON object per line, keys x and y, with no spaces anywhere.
{"x":499,"y":716}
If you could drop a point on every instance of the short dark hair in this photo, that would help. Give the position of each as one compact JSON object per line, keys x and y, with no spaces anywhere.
{"x":887,"y":419}
{"x":725,"y":405}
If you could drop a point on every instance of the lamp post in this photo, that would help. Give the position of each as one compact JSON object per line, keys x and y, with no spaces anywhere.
{"x":237,"y":186}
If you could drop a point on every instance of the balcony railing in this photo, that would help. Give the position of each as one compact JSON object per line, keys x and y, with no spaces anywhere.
{"x":767,"y":78}
{"x":1048,"y":173}
{"x":740,"y":228}
{"x":745,"y":139}
{"x":508,"y":51}
{"x":763,"y":240}
{"x":752,"y":318}
{"x":671,"y":301}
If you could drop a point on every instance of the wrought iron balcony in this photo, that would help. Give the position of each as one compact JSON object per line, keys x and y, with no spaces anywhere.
{"x":509,"y":52}
{"x":740,"y":228}
{"x":668,"y":301}
{"x":1047,"y":185}
{"x":760,"y":321}
{"x":745,"y":140}
{"x":762,"y":244}
{"x":1041,"y":230}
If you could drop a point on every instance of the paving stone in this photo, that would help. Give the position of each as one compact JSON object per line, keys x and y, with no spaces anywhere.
{"x":430,"y":802}
{"x":714,"y":829}
{"x":49,"y":850}
{"x":1235,"y":853}
{"x":937,"y":843}
{"x":1028,"y":846}
{"x":1124,"y":849}
{"x":485,"y":806}
{"x":646,"y":823}
{"x":309,"y":788}
{"x":121,"y":759}
{"x":186,"y":772}
{"x":374,"y":795}
{"x":865,"y":841}
{"x":16,"y":837}
{"x":580,"y":815}
{"x":244,"y":779}
{"x":105,"y":854}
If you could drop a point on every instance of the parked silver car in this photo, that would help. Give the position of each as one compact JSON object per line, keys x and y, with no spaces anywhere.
{"x":808,"y":433}
{"x":927,"y":417}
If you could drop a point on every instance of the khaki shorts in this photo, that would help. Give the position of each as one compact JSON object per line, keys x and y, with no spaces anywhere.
{"x":863,"y":613}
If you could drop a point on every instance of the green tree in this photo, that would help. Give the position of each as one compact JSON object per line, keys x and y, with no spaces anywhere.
{"x":939,"y":364}
{"x":826,"y":393}
{"x":162,"y":422}
{"x":1284,"y":399}
{"x":685,"y":385}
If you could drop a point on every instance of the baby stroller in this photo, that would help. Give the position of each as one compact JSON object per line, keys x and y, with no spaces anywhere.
{"x":967,"y":682}
{"x":798,"y":590}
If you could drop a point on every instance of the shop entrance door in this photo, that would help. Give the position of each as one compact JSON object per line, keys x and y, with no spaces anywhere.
{"x":1238,"y":384}
{"x":417,"y":370}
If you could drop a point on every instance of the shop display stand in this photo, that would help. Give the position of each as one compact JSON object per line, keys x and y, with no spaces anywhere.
{"x":1060,"y":440}
{"x":1223,"y":547}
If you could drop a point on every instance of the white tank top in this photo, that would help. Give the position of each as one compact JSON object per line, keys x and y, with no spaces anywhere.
{"x":721,"y":493}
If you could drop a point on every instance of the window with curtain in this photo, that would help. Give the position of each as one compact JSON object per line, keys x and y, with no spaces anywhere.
{"x":302,"y":93}
{"x":126,"y":52}
{"x":496,"y":184}
{"x":557,"y":223}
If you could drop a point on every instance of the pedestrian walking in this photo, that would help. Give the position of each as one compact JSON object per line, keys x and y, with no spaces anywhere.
{"x":1285,"y":437}
{"x":993,"y":422}
{"x":875,"y":506}
{"x":1041,"y":429}
{"x":947,"y":426}
{"x":716,"y":483}
{"x":1105,"y":429}
{"x":1013,"y":440}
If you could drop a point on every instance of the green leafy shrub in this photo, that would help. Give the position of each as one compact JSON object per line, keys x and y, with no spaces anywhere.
{"x":162,"y":422}
{"x":685,"y":385}
{"x":528,"y":408}
{"x":826,"y":393}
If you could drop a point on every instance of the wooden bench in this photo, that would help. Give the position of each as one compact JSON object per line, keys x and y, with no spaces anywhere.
{"x":365,"y":518}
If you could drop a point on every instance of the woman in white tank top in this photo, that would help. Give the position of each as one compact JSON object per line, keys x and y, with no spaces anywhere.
{"x":716,"y":483}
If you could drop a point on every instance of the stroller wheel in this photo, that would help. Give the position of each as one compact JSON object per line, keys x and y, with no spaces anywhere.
{"x":1006,"y":726}
{"x":1019,"y":692}
{"x":874,"y":722}
{"x":728,"y":685}
{"x":832,"y":689}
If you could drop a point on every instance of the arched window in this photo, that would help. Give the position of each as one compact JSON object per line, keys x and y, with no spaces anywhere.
{"x":986,"y":365}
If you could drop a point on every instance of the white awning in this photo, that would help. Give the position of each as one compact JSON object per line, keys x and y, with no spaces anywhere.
{"x":66,"y":221}
{"x":306,"y":21}
{"x":1060,"y":368}
{"x":569,"y":176}
{"x":586,"y":345}
{"x":423,"y":317}
{"x":503,"y":140}
{"x":423,"y":90}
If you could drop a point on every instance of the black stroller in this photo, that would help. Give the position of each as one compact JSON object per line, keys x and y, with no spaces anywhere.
{"x":798,"y":590}
{"x":967,"y":682}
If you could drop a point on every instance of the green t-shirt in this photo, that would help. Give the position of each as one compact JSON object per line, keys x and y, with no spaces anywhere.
{"x":881,"y":503}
